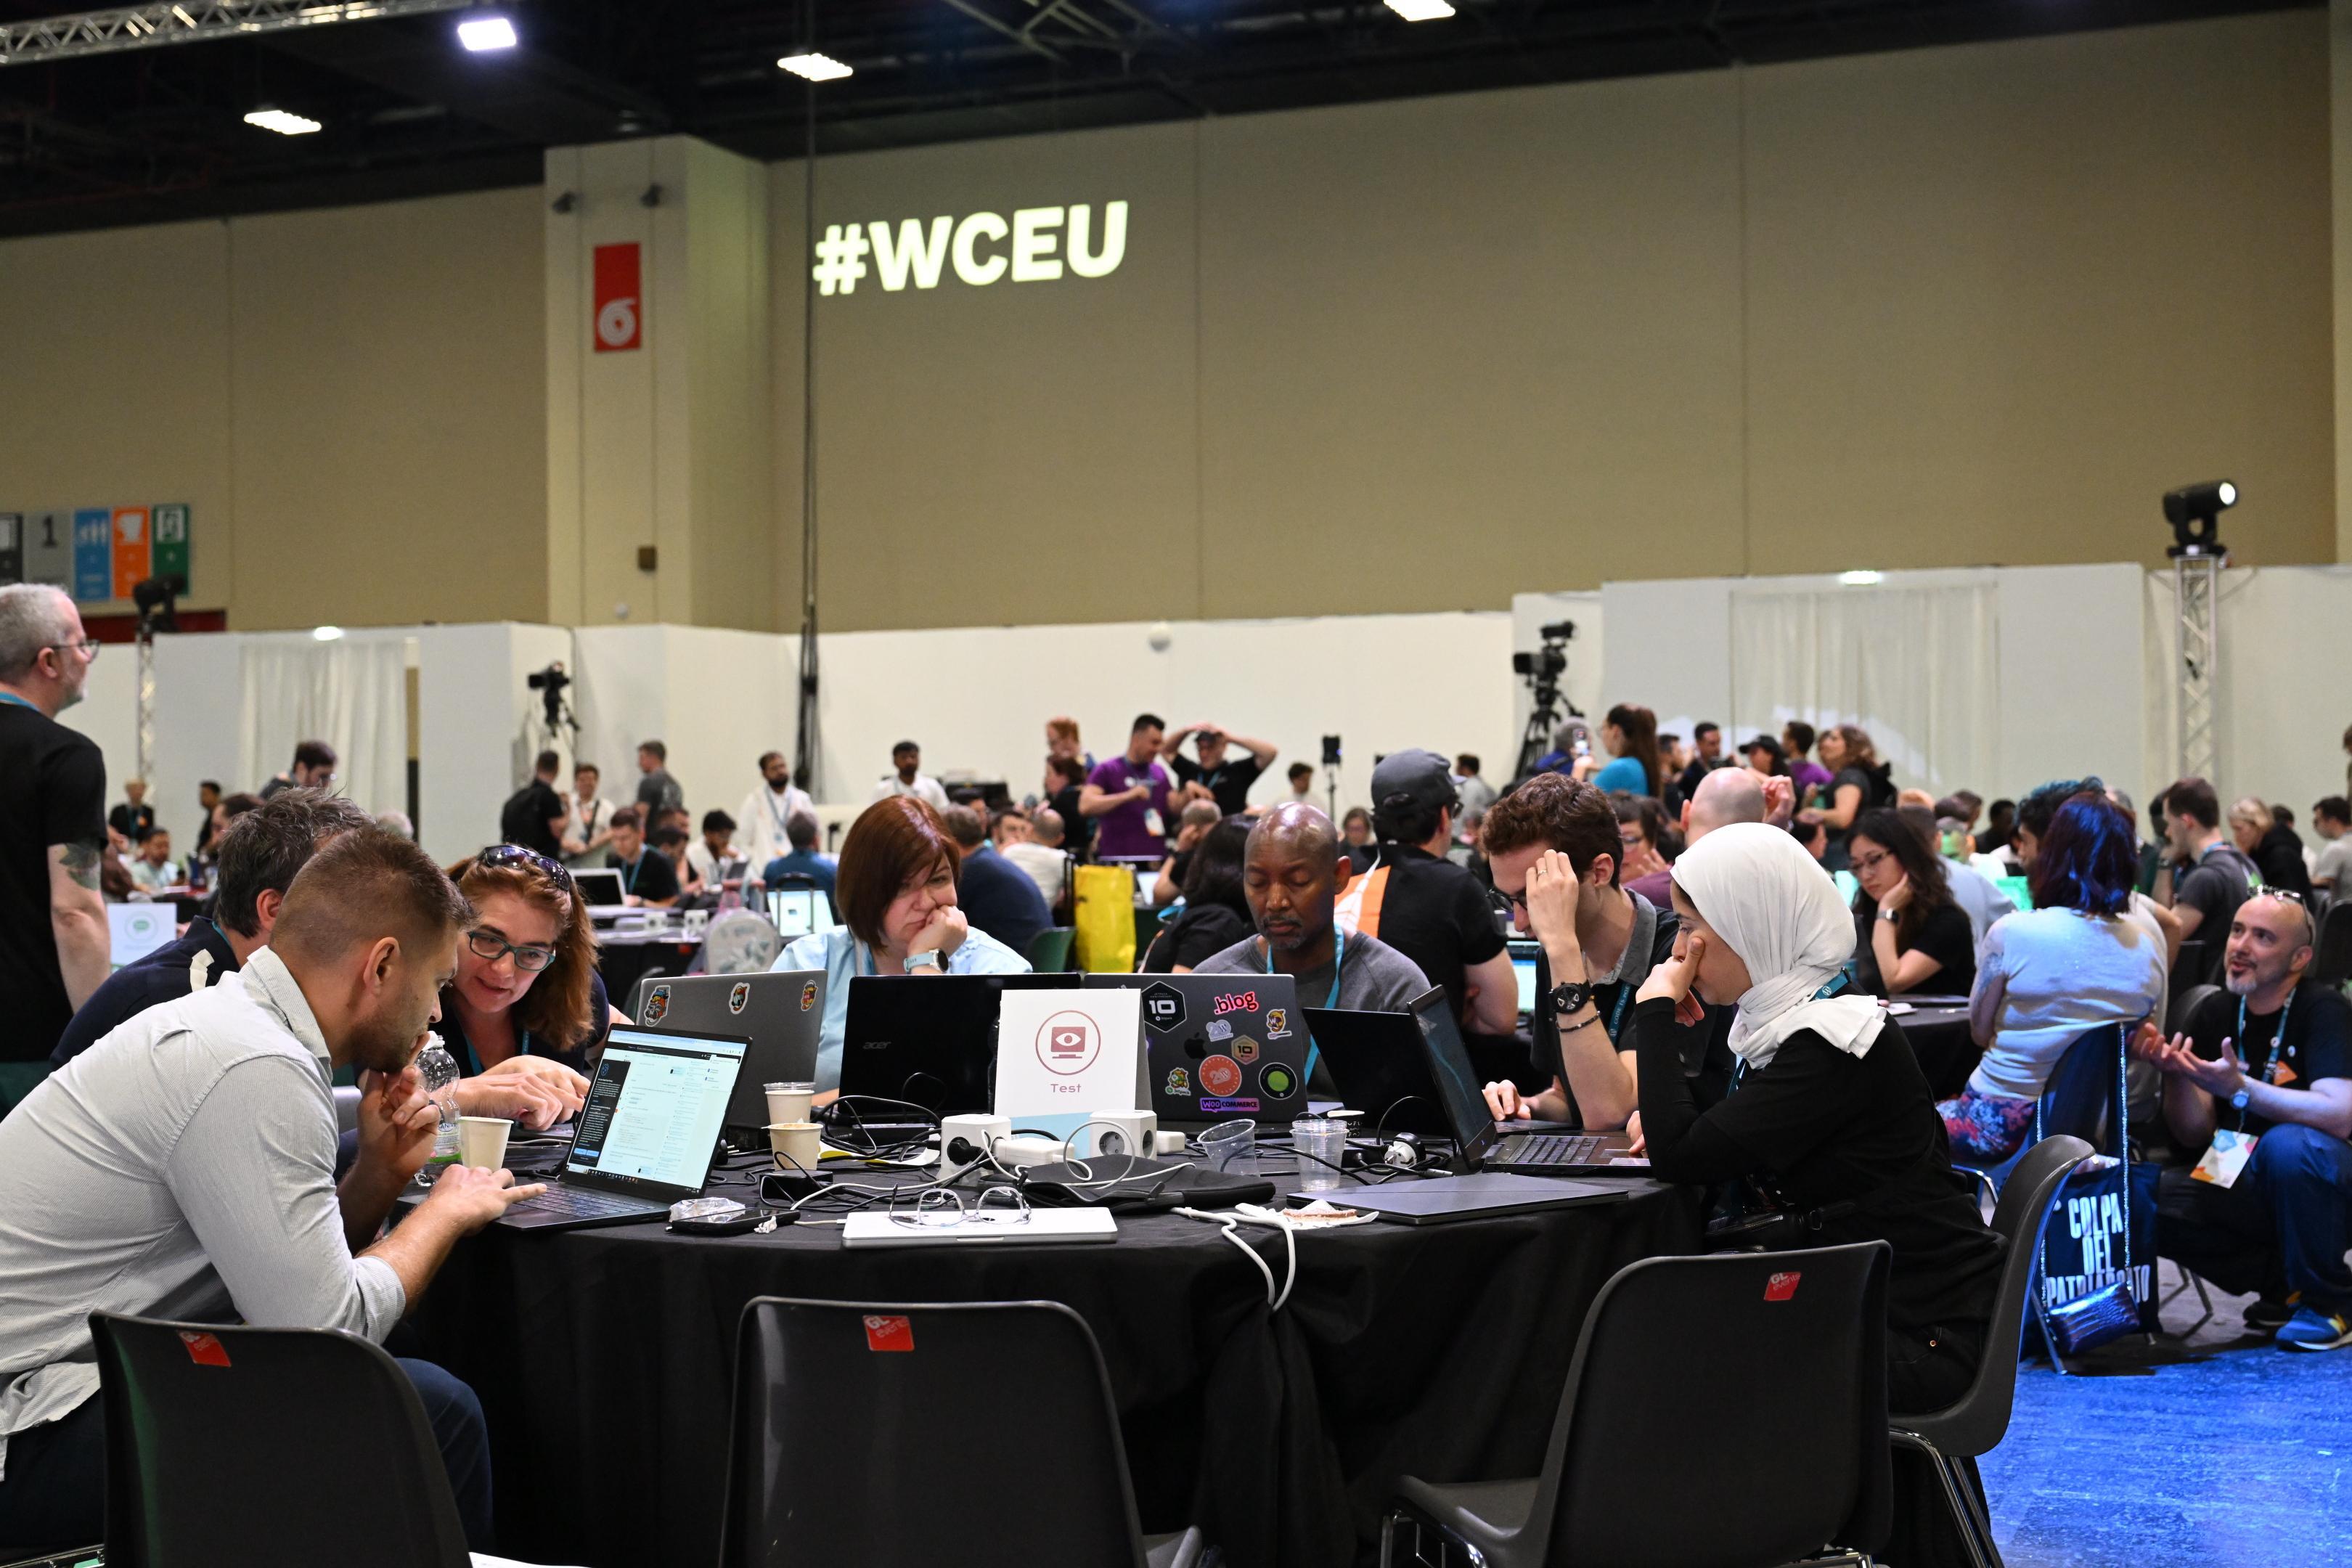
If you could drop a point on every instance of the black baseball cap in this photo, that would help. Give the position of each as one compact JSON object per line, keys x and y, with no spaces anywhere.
{"x":1422,"y":774}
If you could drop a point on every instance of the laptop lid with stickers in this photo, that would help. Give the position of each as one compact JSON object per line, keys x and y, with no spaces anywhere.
{"x":783,"y":1012}
{"x":1216,"y":1046}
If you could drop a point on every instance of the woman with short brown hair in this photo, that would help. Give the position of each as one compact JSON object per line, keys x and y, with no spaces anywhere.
{"x":896,"y":891}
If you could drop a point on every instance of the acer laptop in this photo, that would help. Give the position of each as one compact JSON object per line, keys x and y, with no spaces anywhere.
{"x":928,"y":1041}
{"x":1480,"y":1142}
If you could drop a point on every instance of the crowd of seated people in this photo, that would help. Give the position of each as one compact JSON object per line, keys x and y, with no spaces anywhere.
{"x":1691,"y":940}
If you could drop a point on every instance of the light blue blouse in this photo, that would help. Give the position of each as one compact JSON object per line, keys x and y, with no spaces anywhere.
{"x":842,"y":957}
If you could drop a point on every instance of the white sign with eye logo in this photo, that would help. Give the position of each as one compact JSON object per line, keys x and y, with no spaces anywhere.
{"x":1062,"y":1056}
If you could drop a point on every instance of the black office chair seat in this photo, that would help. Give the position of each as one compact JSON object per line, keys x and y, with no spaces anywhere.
{"x":1765,"y":1373}
{"x":1977,"y":1423}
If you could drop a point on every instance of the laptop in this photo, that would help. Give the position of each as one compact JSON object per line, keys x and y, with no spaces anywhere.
{"x":1216,"y":1046}
{"x":800,"y":909}
{"x":647,"y":1134}
{"x":1482,"y":1144}
{"x":1524,"y":953}
{"x":1448,"y":1198}
{"x":783,"y":1013}
{"x":138,"y":930}
{"x":928,"y":1041}
{"x":603,"y":892}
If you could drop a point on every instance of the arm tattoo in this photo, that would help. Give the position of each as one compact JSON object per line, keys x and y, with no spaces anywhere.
{"x":81,"y":862}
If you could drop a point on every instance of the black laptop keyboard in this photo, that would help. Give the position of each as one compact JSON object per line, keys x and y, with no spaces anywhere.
{"x":580,"y":1201}
{"x":1552,"y":1149}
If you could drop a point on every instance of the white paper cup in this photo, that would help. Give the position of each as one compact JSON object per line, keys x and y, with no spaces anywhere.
{"x":797,"y":1145}
{"x":482,"y":1140}
{"x":789,"y":1101}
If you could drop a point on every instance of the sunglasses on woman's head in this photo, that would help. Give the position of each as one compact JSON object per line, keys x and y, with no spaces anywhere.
{"x":531,"y":860}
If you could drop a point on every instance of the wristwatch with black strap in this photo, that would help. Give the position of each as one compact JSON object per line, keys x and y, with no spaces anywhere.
{"x":1568,"y":998}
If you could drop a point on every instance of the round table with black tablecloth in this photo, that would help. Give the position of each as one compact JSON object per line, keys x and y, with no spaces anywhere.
{"x":1939,"y":1031}
{"x":603,"y":1360}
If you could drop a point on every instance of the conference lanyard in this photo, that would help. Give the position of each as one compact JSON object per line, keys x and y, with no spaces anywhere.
{"x":629,"y":872}
{"x":1338,"y":957}
{"x":11,"y":697}
{"x":1838,"y":983}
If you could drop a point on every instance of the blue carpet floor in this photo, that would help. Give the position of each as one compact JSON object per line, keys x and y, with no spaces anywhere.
{"x":2205,"y":1449}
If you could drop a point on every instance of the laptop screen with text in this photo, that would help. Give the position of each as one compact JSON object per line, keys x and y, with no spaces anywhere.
{"x":655,"y":1110}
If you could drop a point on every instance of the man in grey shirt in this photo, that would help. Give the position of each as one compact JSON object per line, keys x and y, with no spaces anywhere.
{"x":183,"y":1167}
{"x":1291,"y":874}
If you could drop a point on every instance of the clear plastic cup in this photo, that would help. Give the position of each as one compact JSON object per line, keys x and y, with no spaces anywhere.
{"x":1321,"y":1145}
{"x":1228,"y":1141}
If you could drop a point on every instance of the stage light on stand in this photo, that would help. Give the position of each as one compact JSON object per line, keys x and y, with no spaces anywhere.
{"x":2195,"y":512}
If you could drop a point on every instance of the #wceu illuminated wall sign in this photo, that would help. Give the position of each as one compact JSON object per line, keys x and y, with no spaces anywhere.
{"x":1036,"y":246}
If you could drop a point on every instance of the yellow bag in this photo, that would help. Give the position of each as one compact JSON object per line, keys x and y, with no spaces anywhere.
{"x":1105,"y":919}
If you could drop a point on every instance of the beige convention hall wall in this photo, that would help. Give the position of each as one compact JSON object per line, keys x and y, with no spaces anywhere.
{"x":352,"y":400}
{"x":1946,"y":307}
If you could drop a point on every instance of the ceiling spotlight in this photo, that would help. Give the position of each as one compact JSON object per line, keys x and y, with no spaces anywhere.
{"x":2195,"y":512}
{"x":486,"y":30}
{"x":1861,"y":579}
{"x":1421,"y":10}
{"x":815,"y":66}
{"x":284,"y":123}
{"x":326,"y":634}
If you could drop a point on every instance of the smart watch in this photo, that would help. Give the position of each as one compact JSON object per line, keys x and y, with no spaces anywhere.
{"x":927,"y":959}
{"x":2240,"y":1101}
{"x":1568,"y":996}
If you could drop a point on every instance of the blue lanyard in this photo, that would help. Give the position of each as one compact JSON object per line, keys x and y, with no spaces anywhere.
{"x":1338,"y":958}
{"x":2278,"y":1040}
{"x":629,"y":872}
{"x":10,"y":697}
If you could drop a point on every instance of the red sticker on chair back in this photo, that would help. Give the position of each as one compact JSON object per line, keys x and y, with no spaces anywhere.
{"x":889,"y":1334}
{"x":205,"y":1350}
{"x":1781,"y":1287}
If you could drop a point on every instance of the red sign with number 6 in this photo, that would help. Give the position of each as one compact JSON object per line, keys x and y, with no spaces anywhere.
{"x":619,"y":306}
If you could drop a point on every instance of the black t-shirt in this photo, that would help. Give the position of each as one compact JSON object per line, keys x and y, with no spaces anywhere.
{"x":2221,"y":880}
{"x":654,"y":877}
{"x":135,"y":822}
{"x":1817,"y":1126}
{"x":579,"y":1055}
{"x":2318,"y":1043}
{"x":526,"y":814}
{"x":1077,"y":828}
{"x":52,"y":791}
{"x":164,"y":975}
{"x":1435,"y":913}
{"x":1946,"y":936}
{"x":1200,"y":929}
{"x":1229,"y":781}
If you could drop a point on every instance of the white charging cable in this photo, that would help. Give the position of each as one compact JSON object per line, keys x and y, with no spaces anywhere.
{"x":1229,"y":1225}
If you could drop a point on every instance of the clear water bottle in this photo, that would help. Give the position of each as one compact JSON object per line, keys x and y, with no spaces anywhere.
{"x":438,"y":1069}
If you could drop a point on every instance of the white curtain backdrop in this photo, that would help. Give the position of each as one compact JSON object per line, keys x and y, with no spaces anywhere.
{"x":352,"y":694}
{"x":1917,"y":668}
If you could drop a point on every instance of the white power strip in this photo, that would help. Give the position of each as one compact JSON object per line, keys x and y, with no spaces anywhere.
{"x":1028,"y":1149}
{"x":964,"y":1142}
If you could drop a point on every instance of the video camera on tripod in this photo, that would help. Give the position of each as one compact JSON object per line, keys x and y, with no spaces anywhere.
{"x":550,"y":684}
{"x":1542,"y":669}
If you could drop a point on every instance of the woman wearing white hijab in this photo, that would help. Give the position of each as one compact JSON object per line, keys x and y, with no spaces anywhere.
{"x":1829,"y":1115}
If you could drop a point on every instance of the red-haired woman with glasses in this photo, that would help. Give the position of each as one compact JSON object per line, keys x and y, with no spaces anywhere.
{"x":527,"y":1012}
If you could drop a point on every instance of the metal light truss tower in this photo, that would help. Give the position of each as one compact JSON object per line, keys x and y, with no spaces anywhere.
{"x":2196,"y":610}
{"x":191,"y":22}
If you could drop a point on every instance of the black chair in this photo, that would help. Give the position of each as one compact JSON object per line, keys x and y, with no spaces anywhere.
{"x":1762,"y":1375}
{"x":1975,"y":1425}
{"x":251,"y":1446}
{"x":2081,"y":1099}
{"x":875,"y":1434}
{"x":2331,"y":965}
{"x":2197,"y":963}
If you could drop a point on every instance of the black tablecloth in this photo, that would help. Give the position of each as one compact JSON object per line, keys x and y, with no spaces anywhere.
{"x":603,"y":1360}
{"x":1940,"y":1038}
